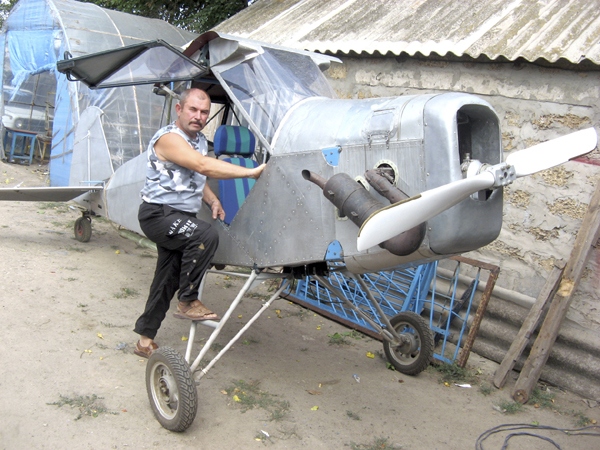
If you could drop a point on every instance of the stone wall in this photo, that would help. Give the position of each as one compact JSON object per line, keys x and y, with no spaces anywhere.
{"x":542,"y":212}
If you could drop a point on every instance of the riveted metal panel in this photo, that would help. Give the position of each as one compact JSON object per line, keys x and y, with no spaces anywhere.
{"x":285,"y":220}
{"x":407,"y":159}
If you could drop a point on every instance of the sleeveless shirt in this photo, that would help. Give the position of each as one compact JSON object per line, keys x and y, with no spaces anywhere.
{"x":171,"y":184}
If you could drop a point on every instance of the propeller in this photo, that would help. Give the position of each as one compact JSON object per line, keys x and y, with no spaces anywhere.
{"x":399,"y":217}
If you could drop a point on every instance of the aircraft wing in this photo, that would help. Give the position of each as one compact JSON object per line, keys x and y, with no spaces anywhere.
{"x":45,"y":194}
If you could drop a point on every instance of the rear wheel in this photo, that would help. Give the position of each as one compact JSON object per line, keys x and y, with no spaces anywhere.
{"x":171,"y":389}
{"x":83,"y":229}
{"x":414,"y":354}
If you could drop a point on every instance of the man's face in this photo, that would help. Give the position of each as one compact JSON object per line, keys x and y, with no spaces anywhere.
{"x":193,"y":114}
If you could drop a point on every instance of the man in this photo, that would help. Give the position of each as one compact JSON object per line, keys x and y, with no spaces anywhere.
{"x":172,"y":196}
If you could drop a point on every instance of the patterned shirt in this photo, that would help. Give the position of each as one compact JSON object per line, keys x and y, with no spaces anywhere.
{"x":169,"y":183}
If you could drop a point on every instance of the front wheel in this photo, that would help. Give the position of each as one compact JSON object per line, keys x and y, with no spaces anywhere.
{"x":414,"y":354}
{"x":171,"y":389}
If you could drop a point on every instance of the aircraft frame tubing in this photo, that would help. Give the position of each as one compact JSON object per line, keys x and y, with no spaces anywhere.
{"x":253,"y":278}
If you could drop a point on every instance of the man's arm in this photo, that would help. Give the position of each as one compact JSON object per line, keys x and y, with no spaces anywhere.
{"x":174,"y":148}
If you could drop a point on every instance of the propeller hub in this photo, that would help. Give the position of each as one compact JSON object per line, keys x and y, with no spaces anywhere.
{"x":504,"y":174}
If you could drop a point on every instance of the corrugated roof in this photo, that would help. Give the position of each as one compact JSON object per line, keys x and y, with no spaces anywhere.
{"x":529,"y":29}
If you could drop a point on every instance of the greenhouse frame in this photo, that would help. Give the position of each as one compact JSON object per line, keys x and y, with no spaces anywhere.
{"x":39,"y":101}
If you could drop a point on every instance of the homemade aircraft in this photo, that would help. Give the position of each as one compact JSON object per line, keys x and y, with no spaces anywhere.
{"x":371,"y":184}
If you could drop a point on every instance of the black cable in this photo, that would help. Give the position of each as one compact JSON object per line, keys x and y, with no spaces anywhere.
{"x":521,"y":426}
{"x":505,"y":445}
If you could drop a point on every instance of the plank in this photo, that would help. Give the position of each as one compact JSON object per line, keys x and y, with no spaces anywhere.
{"x":538,"y":356}
{"x":529,"y":325}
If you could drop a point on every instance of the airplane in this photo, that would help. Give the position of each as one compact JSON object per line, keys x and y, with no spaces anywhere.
{"x":369,"y":184}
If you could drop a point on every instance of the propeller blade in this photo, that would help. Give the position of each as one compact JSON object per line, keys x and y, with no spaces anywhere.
{"x":399,"y":217}
{"x":553,"y":152}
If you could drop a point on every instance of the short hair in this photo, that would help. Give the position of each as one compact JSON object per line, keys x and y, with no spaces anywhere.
{"x":185,"y":94}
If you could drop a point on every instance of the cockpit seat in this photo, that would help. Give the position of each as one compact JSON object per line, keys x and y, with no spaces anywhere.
{"x":237,"y":143}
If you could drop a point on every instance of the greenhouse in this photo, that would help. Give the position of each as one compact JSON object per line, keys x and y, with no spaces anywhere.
{"x":49,"y":115}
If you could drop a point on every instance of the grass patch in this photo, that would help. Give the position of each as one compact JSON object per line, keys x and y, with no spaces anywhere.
{"x":261,"y":436}
{"x":510,"y":407}
{"x":217,"y":347}
{"x":248,"y":395}
{"x":452,"y":373}
{"x":112,"y":325}
{"x":76,"y":249}
{"x":126,"y":293}
{"x":581,"y":420}
{"x":301,"y":313}
{"x":267,"y":289}
{"x":542,"y":398}
{"x":379,"y":443}
{"x":86,"y":405}
{"x":344,"y":338}
{"x":257,"y":295}
{"x":59,"y":224}
{"x":485,"y":389}
{"x":272,"y":285}
{"x":56,"y":206}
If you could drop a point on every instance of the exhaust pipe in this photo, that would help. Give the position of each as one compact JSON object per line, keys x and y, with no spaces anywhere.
{"x":355,"y":202}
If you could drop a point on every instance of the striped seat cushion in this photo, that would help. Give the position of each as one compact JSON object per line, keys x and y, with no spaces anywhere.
{"x":239,"y":141}
{"x":234,"y":140}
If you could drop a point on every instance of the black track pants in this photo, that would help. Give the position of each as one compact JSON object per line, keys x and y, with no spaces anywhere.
{"x":185,"y":247}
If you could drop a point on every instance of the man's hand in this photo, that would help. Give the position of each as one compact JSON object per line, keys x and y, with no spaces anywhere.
{"x":257,"y":171}
{"x":217,"y":210}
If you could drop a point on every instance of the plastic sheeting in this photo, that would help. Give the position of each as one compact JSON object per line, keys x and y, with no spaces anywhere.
{"x":271,"y":83}
{"x":35,"y":97}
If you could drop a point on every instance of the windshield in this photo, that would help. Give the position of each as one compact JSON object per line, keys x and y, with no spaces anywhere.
{"x":268,"y":85}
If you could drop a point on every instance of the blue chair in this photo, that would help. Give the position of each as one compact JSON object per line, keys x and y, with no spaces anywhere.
{"x":27,"y":145}
{"x":237,"y":143}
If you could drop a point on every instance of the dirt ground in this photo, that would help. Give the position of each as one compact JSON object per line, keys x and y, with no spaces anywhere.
{"x":69,"y":378}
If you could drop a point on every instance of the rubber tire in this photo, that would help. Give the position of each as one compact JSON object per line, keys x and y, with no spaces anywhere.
{"x":171,"y":389}
{"x":416,"y":361}
{"x":83,"y":229}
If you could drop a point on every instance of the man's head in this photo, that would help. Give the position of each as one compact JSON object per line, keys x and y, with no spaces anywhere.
{"x":192,"y":110}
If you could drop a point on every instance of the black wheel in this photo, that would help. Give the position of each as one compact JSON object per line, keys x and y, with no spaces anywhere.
{"x":413,"y":356}
{"x":83,"y":229}
{"x":171,"y":389}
